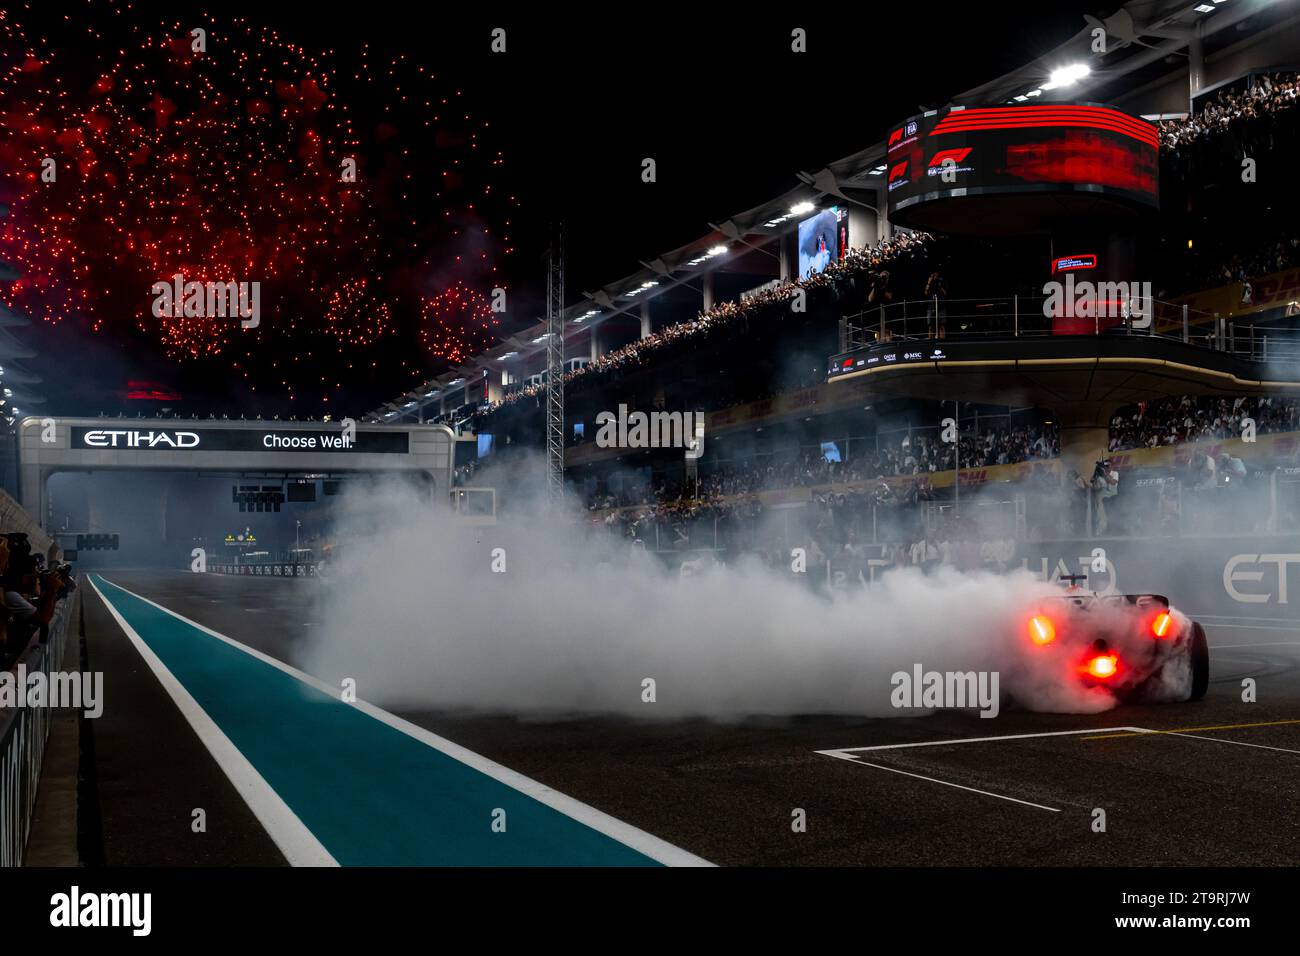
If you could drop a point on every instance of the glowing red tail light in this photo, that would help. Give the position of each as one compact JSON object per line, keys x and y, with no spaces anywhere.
{"x":1103,"y":666}
{"x":1041,"y":629}
{"x":1162,"y":624}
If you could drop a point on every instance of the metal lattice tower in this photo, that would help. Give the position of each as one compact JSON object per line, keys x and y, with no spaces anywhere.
{"x":555,"y":367}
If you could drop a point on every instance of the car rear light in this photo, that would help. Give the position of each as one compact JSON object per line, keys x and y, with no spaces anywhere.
{"x":1041,"y":629}
{"x":1162,"y":624}
{"x":1103,"y":666}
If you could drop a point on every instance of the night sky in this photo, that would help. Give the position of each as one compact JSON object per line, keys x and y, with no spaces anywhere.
{"x":225,"y":164}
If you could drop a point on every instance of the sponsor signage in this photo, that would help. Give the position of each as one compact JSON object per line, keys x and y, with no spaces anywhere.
{"x":1072,"y":263}
{"x":1273,"y":291}
{"x":900,"y":355}
{"x":266,"y":570}
{"x":1246,"y":580}
{"x":1255,"y":577}
{"x":124,"y":437}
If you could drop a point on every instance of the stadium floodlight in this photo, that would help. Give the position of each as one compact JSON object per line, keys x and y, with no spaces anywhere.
{"x":508,"y":355}
{"x":710,"y":253}
{"x":799,"y":208}
{"x":1033,"y":93}
{"x":641,"y":288}
{"x":1069,"y":75}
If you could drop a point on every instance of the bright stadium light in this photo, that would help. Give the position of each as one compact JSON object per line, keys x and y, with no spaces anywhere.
{"x":718,"y":250}
{"x":1069,"y":75}
{"x":800,"y":208}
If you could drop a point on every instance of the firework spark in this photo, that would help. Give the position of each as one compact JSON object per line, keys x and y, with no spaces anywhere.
{"x":133,"y":150}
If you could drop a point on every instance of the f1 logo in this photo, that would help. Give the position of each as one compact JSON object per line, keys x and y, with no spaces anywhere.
{"x":897,"y":171}
{"x":956,"y":155}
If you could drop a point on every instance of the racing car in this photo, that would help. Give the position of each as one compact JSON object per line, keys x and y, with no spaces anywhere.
{"x":1136,"y":646}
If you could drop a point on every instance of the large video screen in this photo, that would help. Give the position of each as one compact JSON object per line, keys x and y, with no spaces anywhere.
{"x":1080,"y":148}
{"x":821,"y":241}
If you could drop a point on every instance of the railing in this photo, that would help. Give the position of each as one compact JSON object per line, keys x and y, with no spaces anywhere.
{"x":1029,"y":317}
{"x":23,"y":734}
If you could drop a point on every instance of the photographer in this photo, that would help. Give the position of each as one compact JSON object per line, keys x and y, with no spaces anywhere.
{"x":30,"y":596}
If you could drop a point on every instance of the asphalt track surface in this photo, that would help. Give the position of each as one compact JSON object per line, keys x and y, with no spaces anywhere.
{"x":1212,"y":783}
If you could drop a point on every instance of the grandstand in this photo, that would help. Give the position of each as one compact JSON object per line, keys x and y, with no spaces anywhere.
{"x":712,"y":327}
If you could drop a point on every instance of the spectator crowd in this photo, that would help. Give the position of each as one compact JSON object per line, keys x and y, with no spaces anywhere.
{"x":866,"y":263}
{"x":1200,"y":418}
{"x":1235,"y":113}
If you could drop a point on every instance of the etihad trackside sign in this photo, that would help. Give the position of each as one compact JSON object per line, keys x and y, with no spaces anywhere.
{"x":227,"y":439}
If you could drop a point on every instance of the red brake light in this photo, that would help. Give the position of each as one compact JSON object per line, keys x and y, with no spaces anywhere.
{"x":1103,"y":666}
{"x":1041,"y":629}
{"x":1162,"y":624}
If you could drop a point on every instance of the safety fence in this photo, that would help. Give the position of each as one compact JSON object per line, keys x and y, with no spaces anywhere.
{"x":24,"y":731}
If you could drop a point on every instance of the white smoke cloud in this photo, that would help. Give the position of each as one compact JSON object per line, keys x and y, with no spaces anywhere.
{"x":575,"y":624}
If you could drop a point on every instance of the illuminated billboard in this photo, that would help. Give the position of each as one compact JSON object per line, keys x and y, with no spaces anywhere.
{"x":939,"y":162}
{"x":823,"y":238}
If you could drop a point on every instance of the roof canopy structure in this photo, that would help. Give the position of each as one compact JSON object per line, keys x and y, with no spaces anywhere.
{"x":1140,"y":40}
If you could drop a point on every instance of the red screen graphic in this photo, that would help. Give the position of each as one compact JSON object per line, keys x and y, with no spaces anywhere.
{"x":1081,"y":148}
{"x":1078,"y":156}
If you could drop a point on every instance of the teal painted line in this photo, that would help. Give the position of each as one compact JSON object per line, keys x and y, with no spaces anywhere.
{"x":371,"y":794}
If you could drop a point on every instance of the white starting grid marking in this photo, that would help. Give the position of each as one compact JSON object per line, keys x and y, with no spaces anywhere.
{"x":851,"y":754}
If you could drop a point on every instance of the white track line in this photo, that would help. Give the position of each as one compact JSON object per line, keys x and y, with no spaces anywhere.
{"x":298,"y":844}
{"x":946,"y":783}
{"x":644,"y":843}
{"x":849,"y":754}
{"x":1228,"y":647}
{"x":1223,"y":740}
{"x":972,"y":740}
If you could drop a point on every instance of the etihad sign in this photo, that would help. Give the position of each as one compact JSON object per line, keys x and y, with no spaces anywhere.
{"x":131,"y":438}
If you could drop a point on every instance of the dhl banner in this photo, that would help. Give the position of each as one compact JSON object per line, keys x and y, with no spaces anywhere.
{"x":1268,"y":292}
